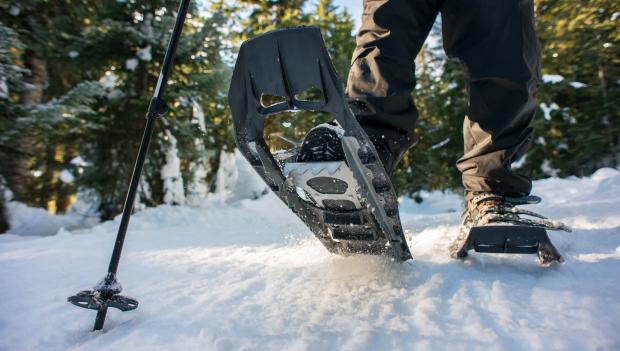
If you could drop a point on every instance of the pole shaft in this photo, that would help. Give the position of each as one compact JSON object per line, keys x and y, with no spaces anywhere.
{"x":154,"y":111}
{"x":131,"y":195}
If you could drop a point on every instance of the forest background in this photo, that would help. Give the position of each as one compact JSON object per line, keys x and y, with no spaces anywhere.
{"x":76,"y":77}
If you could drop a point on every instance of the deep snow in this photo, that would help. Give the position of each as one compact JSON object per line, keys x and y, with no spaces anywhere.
{"x":247,"y":275}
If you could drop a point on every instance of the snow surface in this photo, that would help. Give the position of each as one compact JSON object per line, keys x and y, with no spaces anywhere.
{"x":247,"y":275}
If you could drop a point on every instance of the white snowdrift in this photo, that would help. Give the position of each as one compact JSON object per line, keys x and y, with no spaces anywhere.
{"x":247,"y":275}
{"x":31,"y":221}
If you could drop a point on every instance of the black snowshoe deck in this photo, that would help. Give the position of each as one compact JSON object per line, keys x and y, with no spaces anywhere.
{"x":510,"y":239}
{"x":349,"y":205}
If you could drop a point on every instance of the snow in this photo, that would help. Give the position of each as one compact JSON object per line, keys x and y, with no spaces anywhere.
{"x":440,"y":144}
{"x":109,"y":80}
{"x":79,"y":161}
{"x":174,"y":192}
{"x":29,"y":221}
{"x":577,"y":85}
{"x":548,"y":169}
{"x":236,"y":179}
{"x":247,"y":275}
{"x":14,"y":11}
{"x":198,"y":187}
{"x":66,"y":176}
{"x":4,"y":88}
{"x":552,"y":78}
{"x":547,"y":109}
{"x":131,"y":64}
{"x":144,"y":54}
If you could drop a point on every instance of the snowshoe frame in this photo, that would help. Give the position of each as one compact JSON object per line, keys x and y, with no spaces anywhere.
{"x":285,"y":63}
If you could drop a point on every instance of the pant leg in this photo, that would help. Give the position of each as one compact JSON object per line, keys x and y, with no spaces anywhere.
{"x":497,"y":44}
{"x":382,"y":78}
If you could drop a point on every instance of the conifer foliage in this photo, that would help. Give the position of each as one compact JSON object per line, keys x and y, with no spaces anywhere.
{"x":98,"y":62}
{"x":76,"y":78}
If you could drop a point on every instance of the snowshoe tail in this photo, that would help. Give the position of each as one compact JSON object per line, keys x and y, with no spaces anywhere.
{"x":511,"y":239}
{"x":350,"y":206}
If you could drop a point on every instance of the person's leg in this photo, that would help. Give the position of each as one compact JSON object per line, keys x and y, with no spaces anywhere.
{"x":497,"y":44}
{"x":382,"y":78}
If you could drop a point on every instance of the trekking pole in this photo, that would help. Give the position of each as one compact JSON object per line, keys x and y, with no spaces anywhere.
{"x":106,"y":293}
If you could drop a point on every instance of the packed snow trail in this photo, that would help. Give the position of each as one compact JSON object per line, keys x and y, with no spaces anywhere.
{"x":247,"y":275}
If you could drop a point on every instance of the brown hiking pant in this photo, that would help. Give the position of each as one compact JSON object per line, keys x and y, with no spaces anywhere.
{"x":496,"y":42}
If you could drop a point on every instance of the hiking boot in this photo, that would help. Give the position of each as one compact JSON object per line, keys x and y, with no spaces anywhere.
{"x":486,"y":208}
{"x":390,"y":144}
{"x":322,"y":144}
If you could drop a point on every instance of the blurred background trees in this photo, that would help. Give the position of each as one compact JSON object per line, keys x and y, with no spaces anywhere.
{"x":76,"y":77}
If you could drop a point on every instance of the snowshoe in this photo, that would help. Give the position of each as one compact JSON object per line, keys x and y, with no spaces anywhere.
{"x":334,"y":181}
{"x":492,"y":224}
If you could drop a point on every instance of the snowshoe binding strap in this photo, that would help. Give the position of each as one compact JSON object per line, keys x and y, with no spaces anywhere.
{"x":494,"y":208}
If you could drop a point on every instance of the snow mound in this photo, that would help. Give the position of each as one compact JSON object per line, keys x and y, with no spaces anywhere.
{"x":236,"y":179}
{"x":30,"y":221}
{"x":247,"y":275}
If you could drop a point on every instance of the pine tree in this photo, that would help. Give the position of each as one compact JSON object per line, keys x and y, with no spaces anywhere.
{"x":125,"y":48}
{"x":51,"y":102}
{"x":578,"y":126}
{"x":97,"y":63}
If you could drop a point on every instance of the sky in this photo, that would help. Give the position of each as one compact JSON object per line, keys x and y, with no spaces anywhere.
{"x":354,"y":7}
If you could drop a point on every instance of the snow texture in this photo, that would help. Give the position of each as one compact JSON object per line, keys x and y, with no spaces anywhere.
{"x":247,"y":275}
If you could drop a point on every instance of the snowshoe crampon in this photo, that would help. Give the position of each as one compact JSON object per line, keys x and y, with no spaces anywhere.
{"x":350,"y":204}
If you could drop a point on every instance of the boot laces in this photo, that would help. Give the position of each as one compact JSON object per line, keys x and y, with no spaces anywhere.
{"x":493,"y":208}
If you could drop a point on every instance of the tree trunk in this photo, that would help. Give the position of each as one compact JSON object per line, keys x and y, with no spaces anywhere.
{"x":14,"y":161}
{"x":15,"y":166}
{"x":4,"y":221}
